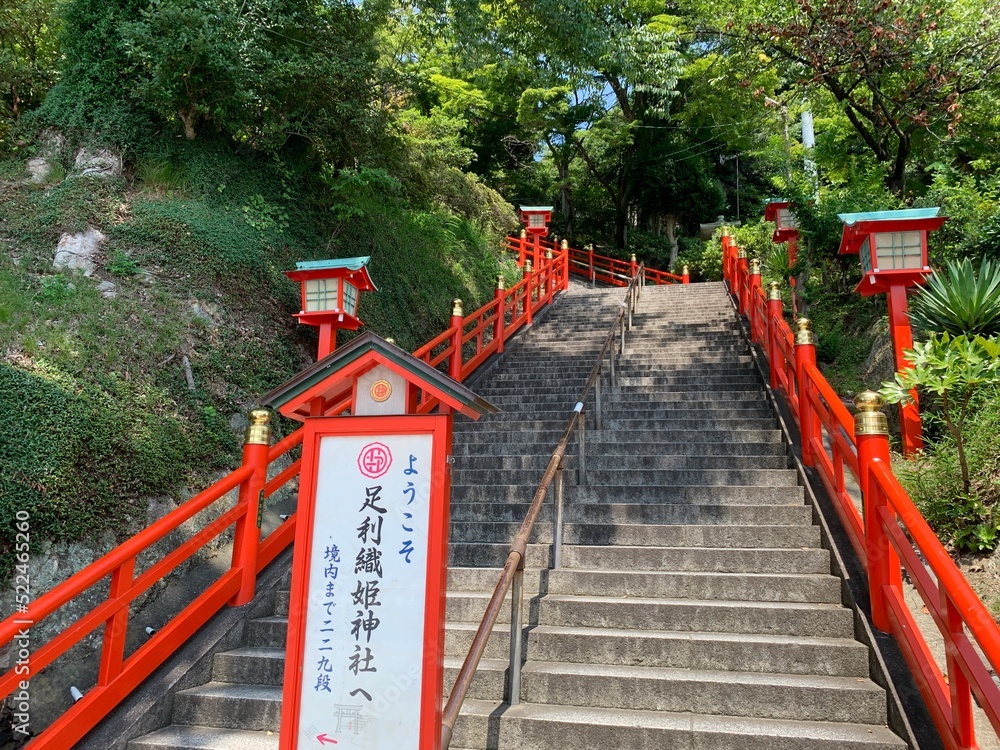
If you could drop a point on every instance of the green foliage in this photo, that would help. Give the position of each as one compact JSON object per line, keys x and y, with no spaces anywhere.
{"x":953,"y":370}
{"x":28,"y":58}
{"x":162,"y":175}
{"x":120,"y":264}
{"x":960,"y":301}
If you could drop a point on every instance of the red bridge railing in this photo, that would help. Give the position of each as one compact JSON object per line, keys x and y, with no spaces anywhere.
{"x":460,"y":349}
{"x":586,"y":263}
{"x":888,"y":533}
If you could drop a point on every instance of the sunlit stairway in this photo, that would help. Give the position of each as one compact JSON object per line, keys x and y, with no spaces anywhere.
{"x":695,"y":608}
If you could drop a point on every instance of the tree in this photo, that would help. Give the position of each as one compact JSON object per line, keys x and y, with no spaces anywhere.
{"x":898,"y":69}
{"x":29,"y":47}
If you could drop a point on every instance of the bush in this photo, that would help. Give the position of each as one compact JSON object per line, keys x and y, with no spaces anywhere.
{"x":960,"y":301}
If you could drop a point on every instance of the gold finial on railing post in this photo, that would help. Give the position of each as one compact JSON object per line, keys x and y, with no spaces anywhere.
{"x":564,"y":245}
{"x":259,"y":430}
{"x":774,"y":291}
{"x":524,"y":234}
{"x":548,"y":253}
{"x":870,"y":419}
{"x":755,"y":267}
{"x":741,"y":253}
{"x":871,"y":430}
{"x":457,"y":310}
{"x":527,"y":266}
{"x":501,"y":283}
{"x":804,"y":332}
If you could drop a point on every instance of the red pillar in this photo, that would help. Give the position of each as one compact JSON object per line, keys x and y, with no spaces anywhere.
{"x":455,"y":362}
{"x":753,"y":312}
{"x":742,"y":273}
{"x":246,"y":542}
{"x":501,"y":319}
{"x":529,"y":275}
{"x":872,"y":436}
{"x":536,"y":250}
{"x":902,"y":339}
{"x":522,"y":249}
{"x":685,"y":275}
{"x":805,"y":353}
{"x":775,"y":311}
{"x":327,"y":340}
{"x":793,"y":254}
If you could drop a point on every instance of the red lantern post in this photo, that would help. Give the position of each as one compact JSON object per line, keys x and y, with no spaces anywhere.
{"x":330,"y":291}
{"x":892,"y":246}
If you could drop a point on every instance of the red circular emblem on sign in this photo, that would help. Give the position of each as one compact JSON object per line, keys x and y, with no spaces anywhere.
{"x":381,"y":390}
{"x":374,"y":460}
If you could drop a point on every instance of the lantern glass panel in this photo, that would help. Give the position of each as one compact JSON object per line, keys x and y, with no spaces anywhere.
{"x":786,"y":219}
{"x":321,"y":294}
{"x":536,"y":221}
{"x":350,"y":298}
{"x":898,"y":250}
{"x":866,"y":256}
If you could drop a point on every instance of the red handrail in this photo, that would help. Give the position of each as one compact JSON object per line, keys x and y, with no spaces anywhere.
{"x":472,"y":339}
{"x":588,"y":264}
{"x":890,"y":536}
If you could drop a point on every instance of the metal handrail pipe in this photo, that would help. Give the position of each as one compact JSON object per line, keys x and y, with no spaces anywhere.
{"x":518,"y":548}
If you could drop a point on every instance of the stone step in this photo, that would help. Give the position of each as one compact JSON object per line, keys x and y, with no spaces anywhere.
{"x":230,"y":706}
{"x":697,"y":517}
{"x":704,"y":494}
{"x":761,"y":618}
{"x":631,"y":437}
{"x":613,"y":412}
{"x":772,"y":586}
{"x":179,"y":737}
{"x":486,"y":478}
{"x":772,"y":446}
{"x":790,"y":537}
{"x":538,"y":463}
{"x":728,"y":693}
{"x":531,"y":726}
{"x":700,"y":559}
{"x":841,"y":657}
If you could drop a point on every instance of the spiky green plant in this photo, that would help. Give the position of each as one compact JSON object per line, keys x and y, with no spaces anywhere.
{"x":960,"y":301}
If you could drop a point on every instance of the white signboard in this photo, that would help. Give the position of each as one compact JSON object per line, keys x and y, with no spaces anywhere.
{"x":364,"y":632}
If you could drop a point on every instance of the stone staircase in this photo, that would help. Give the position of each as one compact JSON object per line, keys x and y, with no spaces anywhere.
{"x":695,"y":607}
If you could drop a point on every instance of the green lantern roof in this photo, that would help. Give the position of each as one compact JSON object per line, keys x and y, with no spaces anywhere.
{"x":903,"y":214}
{"x":351,"y":264}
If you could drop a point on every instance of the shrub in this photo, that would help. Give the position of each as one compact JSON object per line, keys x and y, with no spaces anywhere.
{"x":960,"y":301}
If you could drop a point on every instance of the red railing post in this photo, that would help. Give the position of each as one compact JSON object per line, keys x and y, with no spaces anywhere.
{"x":522,"y":248}
{"x":527,"y":291}
{"x":116,"y":627}
{"x":590,"y":262}
{"x":774,"y":312}
{"x":501,"y":316}
{"x":549,"y":276}
{"x":632,"y":266}
{"x":457,"y":323}
{"x":754,"y":312}
{"x":727,"y":259}
{"x":805,"y":353}
{"x":685,"y":275}
{"x":246,"y":542}
{"x":742,"y":272}
{"x":871,"y":431}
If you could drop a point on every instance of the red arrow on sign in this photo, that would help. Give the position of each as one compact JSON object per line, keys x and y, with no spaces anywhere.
{"x":324,"y":740}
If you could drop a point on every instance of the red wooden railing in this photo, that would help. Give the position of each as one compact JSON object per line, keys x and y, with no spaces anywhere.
{"x":460,"y":349}
{"x":588,"y":264}
{"x":889,"y":534}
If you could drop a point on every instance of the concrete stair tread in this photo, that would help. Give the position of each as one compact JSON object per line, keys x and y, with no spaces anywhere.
{"x":830,"y":733}
{"x":672,"y":674}
{"x":181,"y":737}
{"x":688,"y":602}
{"x":750,"y":639}
{"x":235,"y":690}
